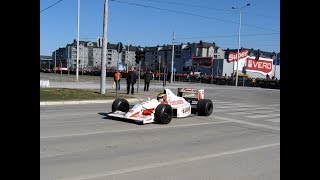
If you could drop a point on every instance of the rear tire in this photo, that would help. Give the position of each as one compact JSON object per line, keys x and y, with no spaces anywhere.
{"x":204,"y":107}
{"x":163,"y":114}
{"x":120,"y":105}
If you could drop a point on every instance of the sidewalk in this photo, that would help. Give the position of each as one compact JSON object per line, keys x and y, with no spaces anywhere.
{"x":140,"y":96}
{"x":93,"y":82}
{"x":82,"y":102}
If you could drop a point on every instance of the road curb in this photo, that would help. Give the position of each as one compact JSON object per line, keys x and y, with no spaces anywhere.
{"x":44,"y":103}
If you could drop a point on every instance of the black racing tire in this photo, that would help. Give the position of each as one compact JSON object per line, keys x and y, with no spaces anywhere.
{"x":163,"y":114}
{"x":204,"y":107}
{"x":120,"y":105}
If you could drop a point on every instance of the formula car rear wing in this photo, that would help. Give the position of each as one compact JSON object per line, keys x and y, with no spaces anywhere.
{"x":192,"y":94}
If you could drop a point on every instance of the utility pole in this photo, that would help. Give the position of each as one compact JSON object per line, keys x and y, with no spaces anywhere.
{"x":77,"y":63}
{"x":104,"y":49}
{"x":240,"y":11}
{"x":82,"y":63}
{"x":159,"y":66}
{"x":165,"y":76}
{"x":55,"y":60}
{"x":117,"y":73}
{"x":238,"y":50}
{"x":68,"y":66}
{"x":139,"y":76}
{"x":128,"y":56}
{"x":211,"y":73}
{"x":217,"y":67}
{"x":275,"y":66}
{"x":171,"y":77}
{"x":60,"y":70}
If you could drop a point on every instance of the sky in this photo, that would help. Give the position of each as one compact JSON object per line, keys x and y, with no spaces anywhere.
{"x":152,"y":22}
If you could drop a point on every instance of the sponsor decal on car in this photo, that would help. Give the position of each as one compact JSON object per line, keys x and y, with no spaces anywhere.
{"x":187,"y":109}
{"x":189,"y":90}
{"x":176,"y":102}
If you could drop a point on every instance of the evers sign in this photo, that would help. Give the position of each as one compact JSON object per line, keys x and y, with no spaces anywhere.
{"x":263,"y":65}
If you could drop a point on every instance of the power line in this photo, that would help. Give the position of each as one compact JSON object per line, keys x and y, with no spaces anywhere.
{"x":204,"y":7}
{"x":192,"y":5}
{"x":225,"y":36}
{"x":50,"y":6}
{"x":191,"y":14}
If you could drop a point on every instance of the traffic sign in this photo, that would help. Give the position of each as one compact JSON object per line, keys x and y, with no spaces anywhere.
{"x":174,"y":69}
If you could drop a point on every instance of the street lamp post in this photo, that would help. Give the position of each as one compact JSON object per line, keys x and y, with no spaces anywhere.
{"x":77,"y":62}
{"x":159,"y":74}
{"x":172,"y":58}
{"x":55,"y":61}
{"x":275,"y":59}
{"x":239,"y":39}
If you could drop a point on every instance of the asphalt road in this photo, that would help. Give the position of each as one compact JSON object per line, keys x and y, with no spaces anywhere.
{"x":240,"y":140}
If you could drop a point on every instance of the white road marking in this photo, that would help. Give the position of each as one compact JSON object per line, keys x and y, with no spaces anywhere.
{"x":224,"y":107}
{"x":247,"y":106}
{"x":262,"y":116}
{"x":129,"y":130}
{"x":179,"y":161}
{"x":247,"y":123}
{"x":60,"y":154}
{"x":238,"y":113}
{"x":262,"y":112}
{"x":262,"y":108}
{"x":65,"y":124}
{"x":274,"y":105}
{"x":221,"y":102}
{"x":273,"y":120}
{"x":229,"y":109}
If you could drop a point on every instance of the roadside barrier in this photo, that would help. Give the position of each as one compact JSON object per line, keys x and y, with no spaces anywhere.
{"x":44,"y":83}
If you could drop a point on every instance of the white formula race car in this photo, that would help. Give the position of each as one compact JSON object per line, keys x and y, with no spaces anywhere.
{"x":167,"y":105}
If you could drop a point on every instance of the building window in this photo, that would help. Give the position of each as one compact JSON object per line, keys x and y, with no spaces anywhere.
{"x":109,"y":62}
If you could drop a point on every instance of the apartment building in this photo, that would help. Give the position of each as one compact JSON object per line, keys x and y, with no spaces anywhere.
{"x":156,"y":57}
{"x":183,"y":53}
{"x":90,"y":55}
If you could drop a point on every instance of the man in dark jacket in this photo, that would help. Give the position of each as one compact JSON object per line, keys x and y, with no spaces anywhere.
{"x":131,"y":80}
{"x":147,"y":78}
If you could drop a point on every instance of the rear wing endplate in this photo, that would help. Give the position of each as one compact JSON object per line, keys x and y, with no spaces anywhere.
{"x":191,"y":93}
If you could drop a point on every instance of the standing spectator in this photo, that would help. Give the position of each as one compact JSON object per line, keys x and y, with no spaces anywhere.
{"x":268,"y":77}
{"x":131,"y":80}
{"x":117,"y":77}
{"x":147,"y":78}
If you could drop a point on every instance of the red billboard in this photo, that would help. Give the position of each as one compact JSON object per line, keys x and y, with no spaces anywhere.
{"x":202,"y":61}
{"x":263,"y":65}
{"x":232,"y":56}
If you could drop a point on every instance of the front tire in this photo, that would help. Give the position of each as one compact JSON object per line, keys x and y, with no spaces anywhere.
{"x":163,"y":114}
{"x":204,"y":107}
{"x":120,"y":105}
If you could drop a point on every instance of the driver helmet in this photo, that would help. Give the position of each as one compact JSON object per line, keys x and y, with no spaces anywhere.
{"x":161,"y":97}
